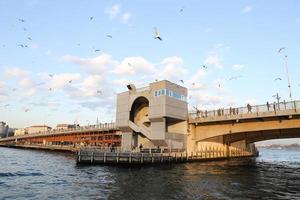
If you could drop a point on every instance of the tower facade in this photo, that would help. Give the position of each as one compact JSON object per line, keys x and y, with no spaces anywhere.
{"x":153,"y":116}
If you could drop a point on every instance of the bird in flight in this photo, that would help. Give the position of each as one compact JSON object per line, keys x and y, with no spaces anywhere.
{"x":99,"y":92}
{"x":277,"y":79}
{"x":157,"y":34}
{"x":70,"y":81}
{"x":14,"y":89}
{"x":281,"y":49}
{"x":51,"y":75}
{"x":24,"y":29}
{"x":6,"y":105}
{"x":22,"y":45}
{"x":181,"y":81}
{"x":26,"y":110}
{"x":29,"y":38}
{"x":204,"y":67}
{"x":219,"y":85}
{"x":91,"y":18}
{"x":21,"y":20}
{"x":234,"y":77}
{"x":109,"y":36}
{"x":50,"y":89}
{"x":97,"y":50}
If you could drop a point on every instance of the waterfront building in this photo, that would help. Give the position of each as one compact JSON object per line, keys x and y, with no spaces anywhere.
{"x":37,"y":129}
{"x":20,"y":131}
{"x":4,"y":129}
{"x":66,"y":126}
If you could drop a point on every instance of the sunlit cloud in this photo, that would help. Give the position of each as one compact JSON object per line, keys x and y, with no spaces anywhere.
{"x":113,"y":11}
{"x":247,"y":9}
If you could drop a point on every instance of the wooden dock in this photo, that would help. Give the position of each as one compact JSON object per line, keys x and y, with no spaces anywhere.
{"x":94,"y":156}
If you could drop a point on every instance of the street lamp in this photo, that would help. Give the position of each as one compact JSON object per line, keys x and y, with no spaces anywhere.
{"x":287,"y":72}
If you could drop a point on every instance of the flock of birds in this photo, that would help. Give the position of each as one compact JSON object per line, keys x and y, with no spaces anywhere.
{"x":157,"y":36}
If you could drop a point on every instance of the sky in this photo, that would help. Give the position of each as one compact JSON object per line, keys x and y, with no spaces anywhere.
{"x":65,"y":61}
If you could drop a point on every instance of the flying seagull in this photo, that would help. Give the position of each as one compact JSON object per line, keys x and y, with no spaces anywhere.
{"x":24,"y":29}
{"x":97,"y":50}
{"x":50,"y":89}
{"x":26,"y":109}
{"x":21,"y":20}
{"x":277,"y":79}
{"x":234,"y":77}
{"x":181,"y":81}
{"x":29,"y":38}
{"x":70,"y":81}
{"x":99,"y":92}
{"x":281,"y":49}
{"x":109,"y":36}
{"x":51,"y":75}
{"x":204,"y":66}
{"x":157,"y":34}
{"x":91,"y":18}
{"x":6,"y":105}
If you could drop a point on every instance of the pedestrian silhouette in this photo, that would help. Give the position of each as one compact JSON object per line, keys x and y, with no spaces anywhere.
{"x":268,"y":106}
{"x":249,"y":108}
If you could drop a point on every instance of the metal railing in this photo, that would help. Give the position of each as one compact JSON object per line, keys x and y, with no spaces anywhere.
{"x":232,"y":111}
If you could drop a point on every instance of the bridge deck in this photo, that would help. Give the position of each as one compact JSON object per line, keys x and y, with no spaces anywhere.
{"x":288,"y":109}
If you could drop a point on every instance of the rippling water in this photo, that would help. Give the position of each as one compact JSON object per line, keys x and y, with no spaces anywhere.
{"x":30,"y":174}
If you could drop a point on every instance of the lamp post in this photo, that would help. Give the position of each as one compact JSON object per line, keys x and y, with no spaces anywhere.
{"x":287,"y":72}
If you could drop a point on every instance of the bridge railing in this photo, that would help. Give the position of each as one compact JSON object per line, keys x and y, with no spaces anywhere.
{"x":231,"y":111}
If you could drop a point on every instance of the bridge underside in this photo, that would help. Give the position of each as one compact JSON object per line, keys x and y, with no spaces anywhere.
{"x":256,"y":136}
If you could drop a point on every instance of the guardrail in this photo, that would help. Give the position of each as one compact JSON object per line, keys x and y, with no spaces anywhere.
{"x":231,"y":111}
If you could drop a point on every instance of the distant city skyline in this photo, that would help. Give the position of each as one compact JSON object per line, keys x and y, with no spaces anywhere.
{"x":64,"y":62}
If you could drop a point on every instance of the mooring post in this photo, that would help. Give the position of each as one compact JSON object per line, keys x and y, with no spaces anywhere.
{"x":152,"y":159}
{"x":117,"y":157}
{"x":142,"y":158}
{"x":130,"y":157}
{"x":92,"y":157}
{"x":79,"y":154}
{"x":104,"y":157}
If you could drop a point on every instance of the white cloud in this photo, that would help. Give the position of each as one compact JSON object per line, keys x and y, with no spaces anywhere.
{"x":173,"y":69}
{"x":214,"y":60}
{"x":96,"y":65}
{"x":113,"y":11}
{"x":133,"y":66}
{"x":59,"y":81}
{"x":197,"y":76}
{"x":15,"y":72}
{"x":247,"y":9}
{"x":237,"y":67}
{"x":125,"y":17}
{"x":28,"y":86}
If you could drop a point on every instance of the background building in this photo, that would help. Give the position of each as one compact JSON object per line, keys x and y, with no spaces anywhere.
{"x":37,"y":129}
{"x":3,"y":130}
{"x":66,"y":126}
{"x":20,"y":131}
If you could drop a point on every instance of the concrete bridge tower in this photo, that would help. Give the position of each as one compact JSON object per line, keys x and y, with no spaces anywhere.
{"x":154,"y":116}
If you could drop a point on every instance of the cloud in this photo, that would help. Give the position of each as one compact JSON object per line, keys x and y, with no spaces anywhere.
{"x":28,"y":86}
{"x":237,"y":67}
{"x":96,"y":65}
{"x":172,"y":69}
{"x":133,"y":66}
{"x":16,"y":72}
{"x":214,"y":60}
{"x":113,"y":11}
{"x":59,"y":81}
{"x":125,"y":17}
{"x":247,"y":9}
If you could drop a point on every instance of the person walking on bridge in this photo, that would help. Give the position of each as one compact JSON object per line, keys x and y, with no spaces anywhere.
{"x":249,"y":108}
{"x":268,"y":106}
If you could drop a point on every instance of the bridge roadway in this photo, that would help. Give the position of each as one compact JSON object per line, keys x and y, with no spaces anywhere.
{"x":243,"y":125}
{"x":102,"y":135}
